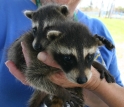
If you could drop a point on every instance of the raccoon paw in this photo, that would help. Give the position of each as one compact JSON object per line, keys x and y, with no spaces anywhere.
{"x":105,"y":74}
{"x":54,"y":101}
{"x":73,"y":101}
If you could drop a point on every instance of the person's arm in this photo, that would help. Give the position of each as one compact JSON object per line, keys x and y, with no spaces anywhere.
{"x":92,"y":100}
{"x":111,"y":93}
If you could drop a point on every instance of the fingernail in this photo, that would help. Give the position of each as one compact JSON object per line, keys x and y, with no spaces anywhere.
{"x":42,"y":56}
{"x":24,"y":82}
{"x":6,"y":63}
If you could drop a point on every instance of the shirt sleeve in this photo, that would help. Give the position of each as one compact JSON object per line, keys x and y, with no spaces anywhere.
{"x":109,"y":56}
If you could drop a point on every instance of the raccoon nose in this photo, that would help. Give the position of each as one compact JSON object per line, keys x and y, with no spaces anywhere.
{"x":37,"y":47}
{"x":81,"y":80}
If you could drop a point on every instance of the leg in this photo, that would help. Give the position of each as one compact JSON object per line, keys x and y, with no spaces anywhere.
{"x":104,"y":73}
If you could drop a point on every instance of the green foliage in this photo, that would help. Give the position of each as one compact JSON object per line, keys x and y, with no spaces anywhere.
{"x":119,"y":9}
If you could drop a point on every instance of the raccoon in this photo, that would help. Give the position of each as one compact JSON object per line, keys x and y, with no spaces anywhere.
{"x":70,"y":44}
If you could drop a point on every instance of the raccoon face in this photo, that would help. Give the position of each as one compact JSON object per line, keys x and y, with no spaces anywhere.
{"x":74,"y":58}
{"x":73,"y":47}
{"x":75,"y":64}
{"x":42,"y":20}
{"x":77,"y":70}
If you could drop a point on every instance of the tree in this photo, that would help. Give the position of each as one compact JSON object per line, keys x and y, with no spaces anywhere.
{"x":102,"y":4}
{"x":111,"y":9}
{"x":119,"y":9}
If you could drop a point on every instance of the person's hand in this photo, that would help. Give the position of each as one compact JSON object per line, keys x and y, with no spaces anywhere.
{"x":60,"y":78}
{"x":14,"y":70}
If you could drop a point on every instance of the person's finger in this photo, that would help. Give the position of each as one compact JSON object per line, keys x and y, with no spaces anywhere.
{"x":47,"y":59}
{"x":60,"y":79}
{"x":15,"y":72}
{"x":25,"y":53}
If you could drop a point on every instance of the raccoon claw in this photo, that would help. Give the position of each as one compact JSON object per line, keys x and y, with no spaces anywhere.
{"x":71,"y":104}
{"x":108,"y":77}
{"x":74,"y":101}
{"x":67,"y":104}
{"x":104,"y":73}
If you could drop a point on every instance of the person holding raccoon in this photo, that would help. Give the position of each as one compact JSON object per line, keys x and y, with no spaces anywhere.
{"x":11,"y":28}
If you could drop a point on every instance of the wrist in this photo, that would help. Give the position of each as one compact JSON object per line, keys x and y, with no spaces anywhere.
{"x":102,"y":90}
{"x":107,"y":92}
{"x":101,"y":87}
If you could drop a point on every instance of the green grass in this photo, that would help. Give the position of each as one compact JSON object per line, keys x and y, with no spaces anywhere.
{"x":115,"y":27}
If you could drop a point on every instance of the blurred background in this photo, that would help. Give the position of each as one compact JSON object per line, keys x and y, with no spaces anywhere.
{"x":111,"y":13}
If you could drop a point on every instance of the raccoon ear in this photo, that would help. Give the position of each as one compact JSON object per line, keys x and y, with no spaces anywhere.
{"x":53,"y":34}
{"x":28,"y":13}
{"x":103,"y":41}
{"x":64,"y":10}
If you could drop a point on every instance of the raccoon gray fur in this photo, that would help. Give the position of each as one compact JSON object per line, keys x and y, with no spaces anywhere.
{"x":70,"y":44}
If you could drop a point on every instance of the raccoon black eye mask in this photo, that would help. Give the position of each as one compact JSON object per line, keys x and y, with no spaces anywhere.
{"x":70,"y":44}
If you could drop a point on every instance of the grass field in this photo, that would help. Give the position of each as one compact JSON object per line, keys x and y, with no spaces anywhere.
{"x":116,"y":28}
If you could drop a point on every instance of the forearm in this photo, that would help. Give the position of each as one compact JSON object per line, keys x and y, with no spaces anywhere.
{"x":111,"y":93}
{"x":93,"y":100}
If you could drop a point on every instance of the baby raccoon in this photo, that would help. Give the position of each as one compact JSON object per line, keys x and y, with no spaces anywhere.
{"x":70,"y":44}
